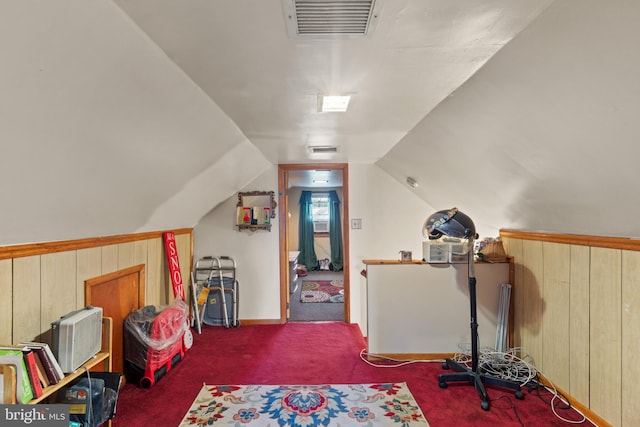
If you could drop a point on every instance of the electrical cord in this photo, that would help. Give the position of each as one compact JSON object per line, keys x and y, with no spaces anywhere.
{"x":463,"y":357}
{"x":511,"y":406}
{"x":558,"y":401}
{"x":505,"y":365}
{"x":89,"y":407}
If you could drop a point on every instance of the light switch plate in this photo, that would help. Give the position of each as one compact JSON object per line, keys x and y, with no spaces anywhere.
{"x":356,"y":223}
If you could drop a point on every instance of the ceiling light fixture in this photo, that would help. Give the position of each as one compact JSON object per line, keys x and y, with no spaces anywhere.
{"x":333,"y":103}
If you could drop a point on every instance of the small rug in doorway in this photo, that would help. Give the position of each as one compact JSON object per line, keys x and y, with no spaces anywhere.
{"x":322,"y":291}
{"x":387,"y":404}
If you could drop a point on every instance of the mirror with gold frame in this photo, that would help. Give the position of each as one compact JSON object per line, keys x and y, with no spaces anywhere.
{"x":255,"y":209}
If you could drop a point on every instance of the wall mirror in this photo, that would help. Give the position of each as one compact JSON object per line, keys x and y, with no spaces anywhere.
{"x":255,"y":209}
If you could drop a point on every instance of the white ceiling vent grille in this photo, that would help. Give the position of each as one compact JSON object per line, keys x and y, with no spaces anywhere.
{"x":330,"y":18}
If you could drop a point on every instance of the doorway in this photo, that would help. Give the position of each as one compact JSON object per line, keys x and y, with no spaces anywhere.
{"x":290,"y":175}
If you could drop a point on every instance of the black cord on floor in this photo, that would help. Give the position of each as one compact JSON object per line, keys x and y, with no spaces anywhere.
{"x":511,"y":406}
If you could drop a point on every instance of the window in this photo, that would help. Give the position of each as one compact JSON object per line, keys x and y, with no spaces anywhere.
{"x":320,"y":212}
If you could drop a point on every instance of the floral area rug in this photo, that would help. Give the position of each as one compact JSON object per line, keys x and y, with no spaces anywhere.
{"x":322,"y":291}
{"x":388,"y":404}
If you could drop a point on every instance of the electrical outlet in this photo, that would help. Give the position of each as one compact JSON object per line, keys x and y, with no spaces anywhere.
{"x":356,"y":223}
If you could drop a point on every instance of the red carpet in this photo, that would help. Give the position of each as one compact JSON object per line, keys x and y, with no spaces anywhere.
{"x":316,"y":353}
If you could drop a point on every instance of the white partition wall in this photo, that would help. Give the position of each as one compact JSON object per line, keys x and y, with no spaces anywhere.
{"x":424,"y":308}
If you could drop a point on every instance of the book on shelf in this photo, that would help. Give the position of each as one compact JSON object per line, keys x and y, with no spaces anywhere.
{"x":50,"y":363}
{"x":32,"y":370}
{"x":42,"y":373}
{"x":13,"y":355}
{"x":47,"y":367}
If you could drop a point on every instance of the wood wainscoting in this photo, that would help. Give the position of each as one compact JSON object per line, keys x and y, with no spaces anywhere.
{"x":577,"y":315}
{"x":42,"y":281}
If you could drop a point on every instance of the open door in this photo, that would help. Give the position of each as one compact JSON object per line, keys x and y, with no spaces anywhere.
{"x":283,"y":218}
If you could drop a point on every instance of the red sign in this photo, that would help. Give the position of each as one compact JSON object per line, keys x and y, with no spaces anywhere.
{"x":174,"y":264}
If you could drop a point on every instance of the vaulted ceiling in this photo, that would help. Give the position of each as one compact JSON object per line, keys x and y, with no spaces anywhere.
{"x":116,"y":114}
{"x":506,"y":108}
{"x":414,"y":54}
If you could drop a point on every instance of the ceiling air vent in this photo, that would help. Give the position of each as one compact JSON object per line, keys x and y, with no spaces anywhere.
{"x":330,"y":18}
{"x":323,"y":149}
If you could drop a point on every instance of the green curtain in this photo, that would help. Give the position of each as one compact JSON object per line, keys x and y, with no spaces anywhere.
{"x":305,"y":233}
{"x":335,"y":231}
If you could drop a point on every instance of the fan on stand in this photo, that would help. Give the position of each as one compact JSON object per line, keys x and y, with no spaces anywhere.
{"x":456,"y":229}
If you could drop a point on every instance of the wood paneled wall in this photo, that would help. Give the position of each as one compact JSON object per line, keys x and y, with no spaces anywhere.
{"x":41,"y":282}
{"x":577,"y":313}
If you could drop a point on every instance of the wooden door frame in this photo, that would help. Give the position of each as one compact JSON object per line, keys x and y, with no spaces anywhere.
{"x":283,"y":220}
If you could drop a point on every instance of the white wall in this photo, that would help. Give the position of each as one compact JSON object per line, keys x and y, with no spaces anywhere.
{"x":392,"y":219}
{"x":256,"y":252}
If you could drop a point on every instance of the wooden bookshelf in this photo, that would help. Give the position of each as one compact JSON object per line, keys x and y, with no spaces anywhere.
{"x":9,"y":383}
{"x":103,"y":357}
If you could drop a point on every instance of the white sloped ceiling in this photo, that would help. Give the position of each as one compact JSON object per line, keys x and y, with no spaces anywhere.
{"x":98,"y":127}
{"x":114,"y":122}
{"x":545,"y":136}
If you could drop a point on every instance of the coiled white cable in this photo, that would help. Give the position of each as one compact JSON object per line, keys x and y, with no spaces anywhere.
{"x":505,"y":365}
{"x":509,"y":366}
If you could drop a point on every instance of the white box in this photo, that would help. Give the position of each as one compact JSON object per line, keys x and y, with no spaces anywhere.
{"x":77,"y":337}
{"x":435,"y":252}
{"x":457,"y":249}
{"x":458,"y":259}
